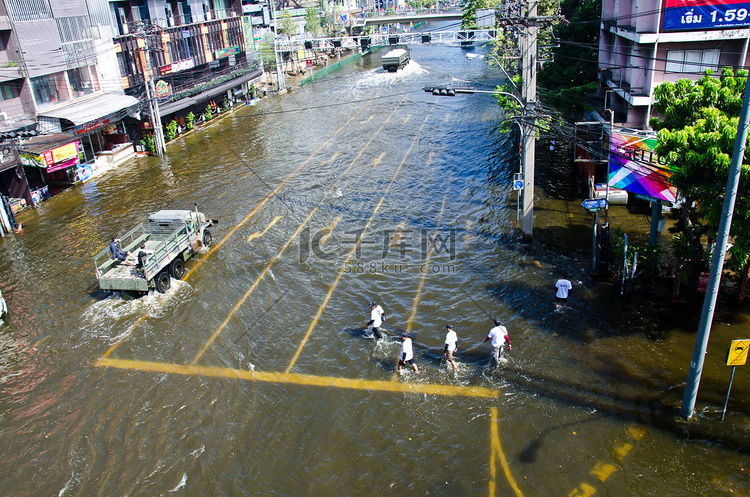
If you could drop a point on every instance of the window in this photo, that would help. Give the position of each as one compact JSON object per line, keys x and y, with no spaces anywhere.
{"x":80,"y":81}
{"x":8,"y":91}
{"x":45,"y":90}
{"x":692,"y":61}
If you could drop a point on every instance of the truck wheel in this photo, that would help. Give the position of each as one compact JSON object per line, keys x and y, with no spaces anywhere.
{"x":207,"y":238}
{"x":162,"y":281}
{"x":177,"y":268}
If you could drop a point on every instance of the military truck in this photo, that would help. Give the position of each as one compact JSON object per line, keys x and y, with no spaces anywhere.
{"x":159,"y":248}
{"x":395,"y":59}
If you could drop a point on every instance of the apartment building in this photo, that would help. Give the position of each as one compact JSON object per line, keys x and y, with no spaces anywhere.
{"x":197,"y":52}
{"x":646,"y":42}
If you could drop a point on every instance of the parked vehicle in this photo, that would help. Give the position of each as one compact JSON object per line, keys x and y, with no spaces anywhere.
{"x":161,"y":246}
{"x":396,"y":59}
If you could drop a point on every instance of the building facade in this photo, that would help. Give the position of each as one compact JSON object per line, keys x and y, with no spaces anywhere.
{"x":646,"y":42}
{"x":196,"y":53}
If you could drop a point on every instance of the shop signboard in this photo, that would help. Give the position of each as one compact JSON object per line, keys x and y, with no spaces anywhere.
{"x":683,"y":15}
{"x":226,"y":52}
{"x":247,"y":32}
{"x":162,"y":89}
{"x":635,"y":167}
{"x":92,"y":125}
{"x":55,"y":159}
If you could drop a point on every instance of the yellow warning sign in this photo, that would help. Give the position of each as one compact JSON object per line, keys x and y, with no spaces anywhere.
{"x":737,"y":354}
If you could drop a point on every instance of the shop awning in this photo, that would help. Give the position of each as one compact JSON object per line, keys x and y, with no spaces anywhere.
{"x":167,"y":108}
{"x":85,"y":110}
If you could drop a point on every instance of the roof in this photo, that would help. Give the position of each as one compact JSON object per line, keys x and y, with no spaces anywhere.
{"x":43,"y":143}
{"x":83,"y":110}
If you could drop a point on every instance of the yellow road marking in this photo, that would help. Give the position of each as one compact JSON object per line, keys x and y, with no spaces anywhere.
{"x":623,"y":450}
{"x":242,"y":300}
{"x":248,"y":174}
{"x":447,"y":116}
{"x":398,"y":234}
{"x":406,"y":119}
{"x":636,"y":432}
{"x":330,"y":160}
{"x":497,"y":451}
{"x":258,"y":235}
{"x":602,"y":470}
{"x":468,"y":237}
{"x":368,"y":119}
{"x":300,"y":379}
{"x":222,"y":194}
{"x":270,"y":195}
{"x":585,"y":490}
{"x":415,"y":304}
{"x":353,"y":251}
{"x":376,"y":162}
{"x":200,"y":261}
{"x":330,"y":230}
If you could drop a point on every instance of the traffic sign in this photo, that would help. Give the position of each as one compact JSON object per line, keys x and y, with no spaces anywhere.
{"x":594,"y":203}
{"x":737,"y":353}
{"x":518,"y":184}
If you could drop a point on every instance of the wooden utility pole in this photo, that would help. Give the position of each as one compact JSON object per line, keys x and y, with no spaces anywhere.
{"x":528,"y":74}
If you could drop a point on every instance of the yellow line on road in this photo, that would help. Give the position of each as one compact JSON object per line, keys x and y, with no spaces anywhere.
{"x":242,"y":300}
{"x":406,"y":119}
{"x":497,"y":451}
{"x":270,"y":195}
{"x":410,"y":321}
{"x":353,"y":251}
{"x":200,"y":261}
{"x":330,"y":229}
{"x":368,"y":119}
{"x":330,"y":160}
{"x":259,"y":234}
{"x":301,"y":379}
{"x":376,"y":162}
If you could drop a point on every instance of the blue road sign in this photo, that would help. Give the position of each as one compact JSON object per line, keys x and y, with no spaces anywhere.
{"x":518,"y":184}
{"x":594,"y":203}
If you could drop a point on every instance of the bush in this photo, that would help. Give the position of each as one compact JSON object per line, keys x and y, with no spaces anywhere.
{"x":207,"y":114}
{"x":171,"y":130}
{"x":225,"y":107}
{"x":149,"y":143}
{"x":189,"y":120}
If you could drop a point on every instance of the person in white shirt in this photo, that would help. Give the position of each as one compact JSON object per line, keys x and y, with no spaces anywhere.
{"x":450,"y":345}
{"x":407,"y":354}
{"x":499,"y":337}
{"x":563,"y":290}
{"x":377,"y":315}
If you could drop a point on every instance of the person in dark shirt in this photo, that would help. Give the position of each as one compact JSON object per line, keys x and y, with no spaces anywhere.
{"x":118,"y":254}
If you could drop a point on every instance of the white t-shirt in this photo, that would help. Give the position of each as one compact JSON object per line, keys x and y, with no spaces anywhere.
{"x":563,"y":287}
{"x":498,"y":334}
{"x":450,"y":340}
{"x":406,"y":350}
{"x":377,"y":317}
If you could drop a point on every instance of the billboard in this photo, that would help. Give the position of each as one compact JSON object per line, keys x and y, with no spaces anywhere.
{"x":634,"y":166}
{"x":680,"y":15}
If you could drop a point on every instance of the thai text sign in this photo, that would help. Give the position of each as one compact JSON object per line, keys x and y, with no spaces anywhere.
{"x":737,"y":353}
{"x":635,"y":167}
{"x":226,"y":52}
{"x":705,"y":14}
{"x":92,"y":125}
{"x":61,"y":154}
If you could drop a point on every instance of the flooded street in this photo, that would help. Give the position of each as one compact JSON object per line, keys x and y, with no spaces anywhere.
{"x":253,"y":375}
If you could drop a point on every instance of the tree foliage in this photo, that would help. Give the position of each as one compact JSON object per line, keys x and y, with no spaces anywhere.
{"x":696,"y":135}
{"x":286,"y":24}
{"x":312,"y":21}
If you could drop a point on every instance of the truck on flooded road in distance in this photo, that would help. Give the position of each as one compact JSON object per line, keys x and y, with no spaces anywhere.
{"x":160,"y":245}
{"x":396,"y":59}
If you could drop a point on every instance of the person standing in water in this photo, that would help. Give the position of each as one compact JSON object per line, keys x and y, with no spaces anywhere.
{"x":377,"y":315}
{"x":407,"y":354}
{"x":450,"y":345}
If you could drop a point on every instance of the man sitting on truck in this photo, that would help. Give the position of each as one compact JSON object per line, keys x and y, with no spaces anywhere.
{"x":118,"y":254}
{"x":143,"y":255}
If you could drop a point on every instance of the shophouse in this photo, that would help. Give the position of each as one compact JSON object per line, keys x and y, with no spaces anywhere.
{"x":646,"y":42}
{"x":197,"y":53}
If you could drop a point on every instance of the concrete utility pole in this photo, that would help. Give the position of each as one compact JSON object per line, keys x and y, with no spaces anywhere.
{"x":153,"y":103}
{"x":528,"y":73}
{"x":717,"y":262}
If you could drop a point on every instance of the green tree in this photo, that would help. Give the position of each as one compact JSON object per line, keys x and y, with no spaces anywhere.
{"x":573,"y":71}
{"x":286,"y":24}
{"x":330,"y":18}
{"x":696,"y":136}
{"x":312,"y":21}
{"x":268,"y":53}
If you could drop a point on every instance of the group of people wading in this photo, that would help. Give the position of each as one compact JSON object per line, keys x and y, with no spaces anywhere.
{"x":498,"y":336}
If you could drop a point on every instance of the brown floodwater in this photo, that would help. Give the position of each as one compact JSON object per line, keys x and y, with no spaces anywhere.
{"x":253,"y":375}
